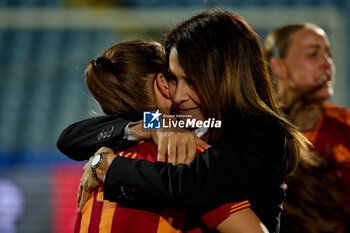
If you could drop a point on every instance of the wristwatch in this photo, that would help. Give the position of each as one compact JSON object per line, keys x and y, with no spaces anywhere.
{"x":95,"y":163}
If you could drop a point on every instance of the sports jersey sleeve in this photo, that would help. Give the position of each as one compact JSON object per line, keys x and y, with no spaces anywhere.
{"x":81,"y":140}
{"x":216,"y":216}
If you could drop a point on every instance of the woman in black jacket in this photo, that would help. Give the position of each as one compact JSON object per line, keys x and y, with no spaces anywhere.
{"x":216,"y":59}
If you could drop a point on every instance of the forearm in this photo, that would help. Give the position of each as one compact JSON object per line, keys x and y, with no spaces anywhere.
{"x":81,"y":140}
{"x":168,"y":184}
{"x":209,"y":180}
{"x":232,"y":170}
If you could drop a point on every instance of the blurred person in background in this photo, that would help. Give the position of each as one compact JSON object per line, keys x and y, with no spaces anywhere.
{"x":303,"y":70}
{"x":11,"y":206}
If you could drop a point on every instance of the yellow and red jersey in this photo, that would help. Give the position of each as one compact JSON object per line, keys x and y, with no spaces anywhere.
{"x":332,"y":135}
{"x":100,"y":215}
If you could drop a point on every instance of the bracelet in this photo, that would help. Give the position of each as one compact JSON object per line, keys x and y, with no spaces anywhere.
{"x":95,"y":174}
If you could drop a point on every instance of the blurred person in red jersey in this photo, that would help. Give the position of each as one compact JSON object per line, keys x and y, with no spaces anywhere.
{"x":303,"y":70}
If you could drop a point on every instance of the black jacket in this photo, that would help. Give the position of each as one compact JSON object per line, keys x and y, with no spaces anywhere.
{"x":248,"y":163}
{"x":81,"y":140}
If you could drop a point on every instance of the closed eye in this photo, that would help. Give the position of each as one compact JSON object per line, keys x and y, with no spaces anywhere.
{"x":172,"y":79}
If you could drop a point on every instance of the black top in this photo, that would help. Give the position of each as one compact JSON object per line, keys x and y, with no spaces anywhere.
{"x":246,"y":164}
{"x":81,"y":140}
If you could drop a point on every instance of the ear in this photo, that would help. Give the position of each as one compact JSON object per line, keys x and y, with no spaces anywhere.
{"x":162,"y":85}
{"x":278,"y":68}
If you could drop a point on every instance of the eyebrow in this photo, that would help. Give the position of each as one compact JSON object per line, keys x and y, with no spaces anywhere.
{"x":316,"y":47}
{"x":312,"y":47}
{"x":170,"y":73}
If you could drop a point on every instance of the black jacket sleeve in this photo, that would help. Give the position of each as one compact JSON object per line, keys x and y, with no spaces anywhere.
{"x":81,"y":140}
{"x":237,"y":167}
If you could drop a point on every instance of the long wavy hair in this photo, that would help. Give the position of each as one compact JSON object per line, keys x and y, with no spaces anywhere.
{"x":223,"y":61}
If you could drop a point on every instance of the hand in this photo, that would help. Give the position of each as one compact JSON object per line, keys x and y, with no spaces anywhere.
{"x":180,"y":145}
{"x":106,"y":162}
{"x":88,"y":182}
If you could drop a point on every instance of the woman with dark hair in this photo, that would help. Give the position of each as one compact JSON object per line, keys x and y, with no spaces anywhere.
{"x":134,"y":71}
{"x":300,"y":61}
{"x":218,"y":71}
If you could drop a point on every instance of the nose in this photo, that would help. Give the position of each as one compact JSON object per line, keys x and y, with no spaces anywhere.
{"x":328,"y":66}
{"x":327,"y":62}
{"x":181,"y":93}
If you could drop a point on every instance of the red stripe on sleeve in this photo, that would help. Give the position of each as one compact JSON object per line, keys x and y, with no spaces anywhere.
{"x":216,"y":216}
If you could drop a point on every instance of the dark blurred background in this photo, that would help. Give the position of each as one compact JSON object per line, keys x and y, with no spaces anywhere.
{"x":44,"y":48}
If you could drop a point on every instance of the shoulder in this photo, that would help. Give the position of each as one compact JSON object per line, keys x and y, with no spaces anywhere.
{"x":336,"y":112}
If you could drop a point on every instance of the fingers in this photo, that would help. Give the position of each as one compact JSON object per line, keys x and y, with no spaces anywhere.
{"x":84,"y":198}
{"x":172,"y":150}
{"x":155,"y":136}
{"x":186,"y":148}
{"x":181,"y":153}
{"x":178,"y":147}
{"x":87,"y":183}
{"x":162,"y":148}
{"x":191,"y":150}
{"x":87,"y":165}
{"x":80,"y":189}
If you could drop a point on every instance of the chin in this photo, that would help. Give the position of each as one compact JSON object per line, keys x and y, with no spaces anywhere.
{"x":323,"y":95}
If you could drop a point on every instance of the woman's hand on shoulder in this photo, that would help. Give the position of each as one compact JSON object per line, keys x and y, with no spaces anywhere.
{"x":88,"y":181}
{"x":177,"y":146}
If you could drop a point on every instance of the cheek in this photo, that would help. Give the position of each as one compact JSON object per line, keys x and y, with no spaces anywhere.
{"x":332,"y":71}
{"x":172,"y":90}
{"x":195,"y":97}
{"x":303,"y":73}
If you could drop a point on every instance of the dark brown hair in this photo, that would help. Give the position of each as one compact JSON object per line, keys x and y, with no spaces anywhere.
{"x":222,"y":58}
{"x":120,"y":80}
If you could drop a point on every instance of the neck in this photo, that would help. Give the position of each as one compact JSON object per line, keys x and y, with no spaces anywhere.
{"x":303,"y":111}
{"x":305,"y":115}
{"x":288,"y":97}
